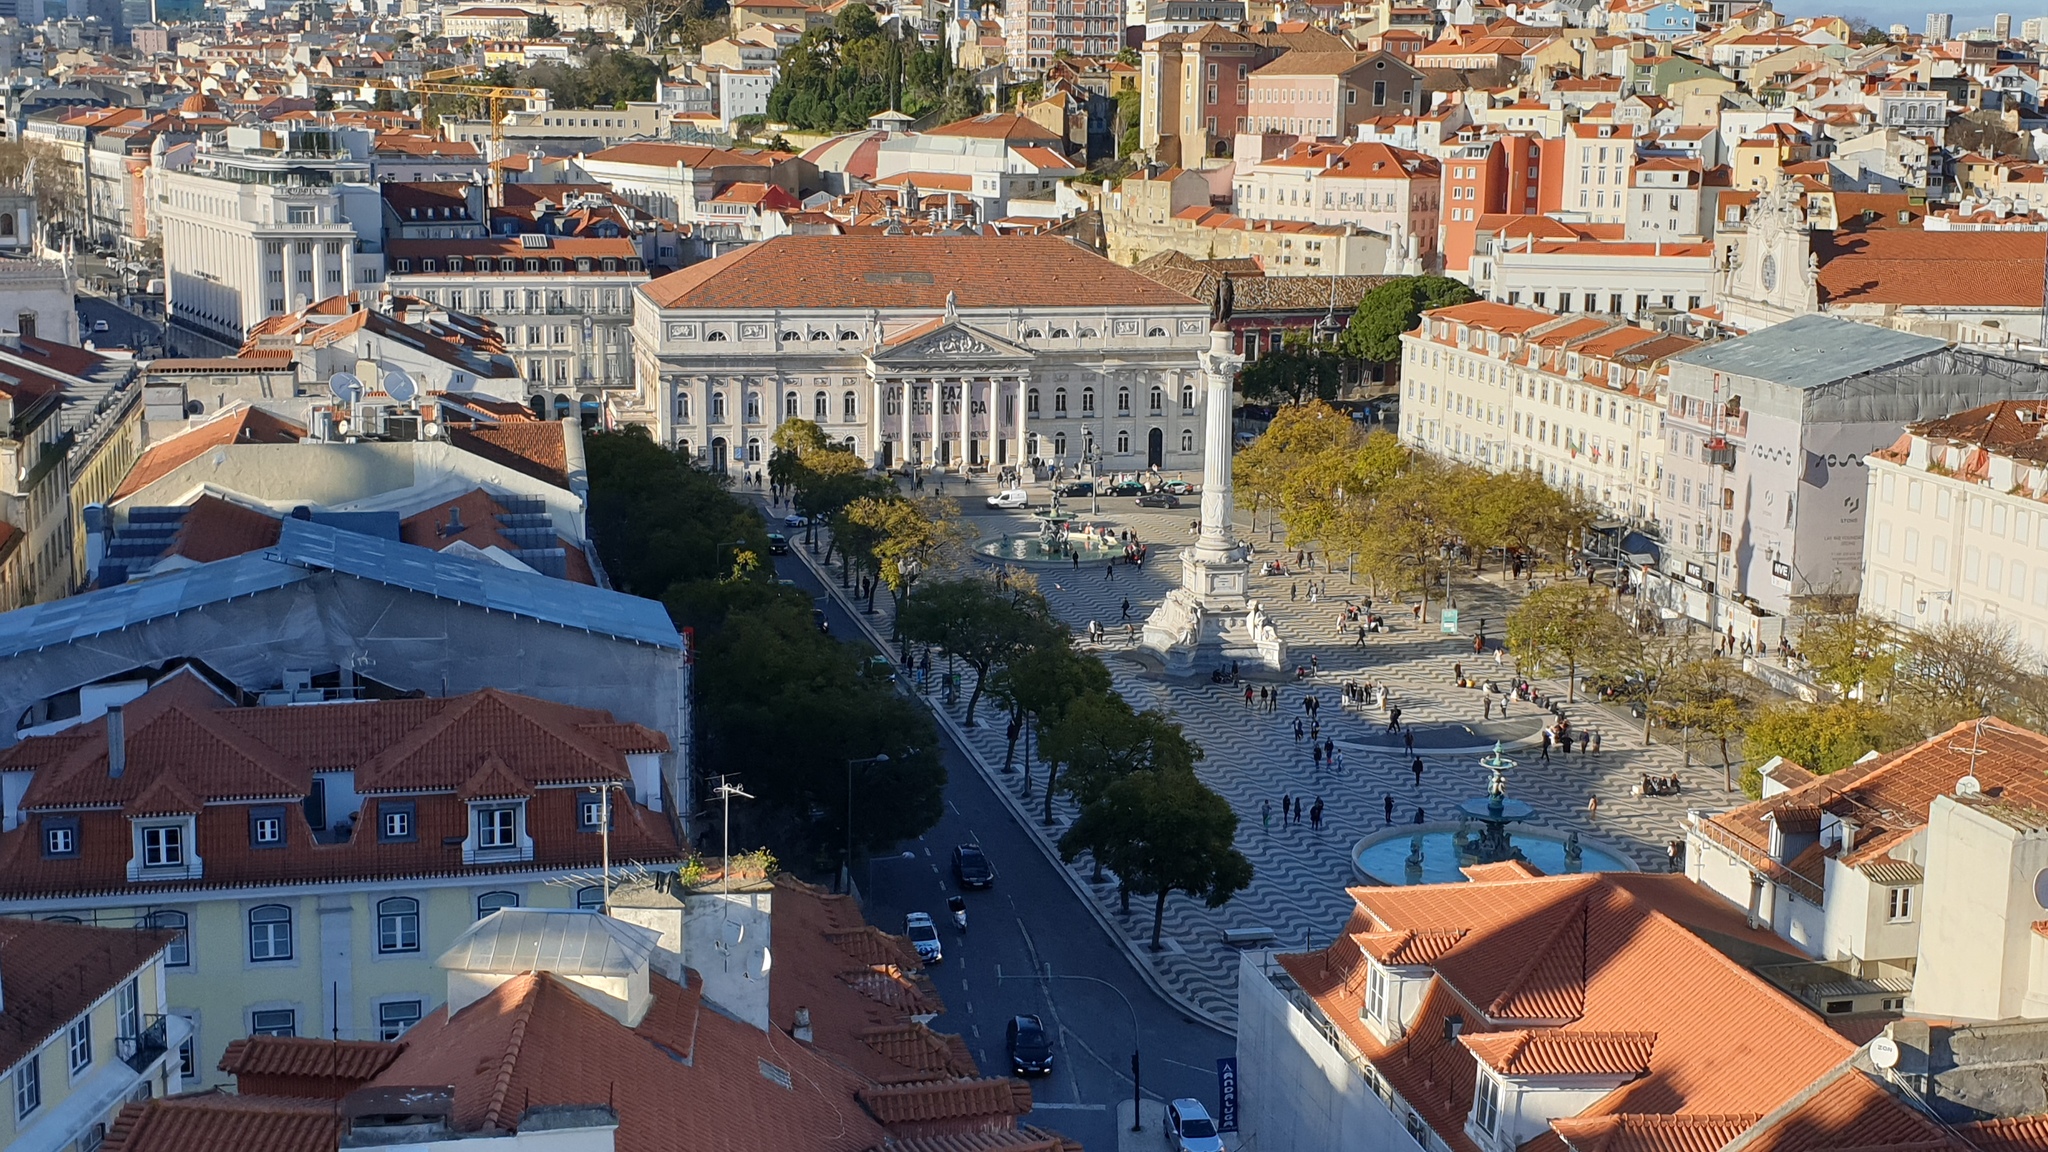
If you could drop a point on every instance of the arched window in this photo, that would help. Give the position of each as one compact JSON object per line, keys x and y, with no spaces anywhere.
{"x":591,"y":897}
{"x":1031,"y":402}
{"x":1088,"y":333}
{"x":789,"y":405}
{"x":178,"y":953}
{"x":1187,"y":397}
{"x":789,"y":336}
{"x":1031,"y":446}
{"x":1059,"y":401}
{"x":682,"y":406}
{"x":714,"y":336}
{"x":754,"y":450}
{"x":821,"y":335}
{"x":490,"y":902}
{"x":683,"y":446}
{"x":1123,"y":399}
{"x":270,"y":933}
{"x":1123,"y":442}
{"x":1155,"y":331}
{"x":850,"y":409}
{"x":1087,"y":399}
{"x":1158,"y":398}
{"x":1187,"y":440}
{"x":398,"y":924}
{"x":1032,"y":334}
{"x":1061,"y":334}
{"x":849,"y":335}
{"x":7,"y":224}
{"x":718,"y":407}
{"x":753,"y":407}
{"x":1059,"y":444}
{"x":820,"y":408}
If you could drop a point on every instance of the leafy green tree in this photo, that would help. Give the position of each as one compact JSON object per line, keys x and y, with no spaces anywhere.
{"x":1288,"y":466}
{"x":1850,"y":651}
{"x":656,"y":520}
{"x":1821,"y":738}
{"x":1410,"y":532}
{"x":981,"y":625}
{"x":1101,"y":738}
{"x":1567,"y":626}
{"x":541,"y":26}
{"x":1387,"y":311}
{"x":1706,"y":695}
{"x":1043,"y":681}
{"x":1161,"y":832}
{"x":910,"y":537}
{"x":1516,"y":509}
{"x":1303,"y":369}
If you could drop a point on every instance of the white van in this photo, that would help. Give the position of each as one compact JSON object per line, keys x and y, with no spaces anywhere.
{"x":1010,"y":498}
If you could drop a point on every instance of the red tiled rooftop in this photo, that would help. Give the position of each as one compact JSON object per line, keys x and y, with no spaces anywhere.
{"x":229,"y":1122}
{"x":56,"y":971}
{"x":247,"y":425}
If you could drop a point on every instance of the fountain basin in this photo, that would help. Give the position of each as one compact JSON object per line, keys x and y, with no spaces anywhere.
{"x":1381,"y":858}
{"x":1022,"y":548}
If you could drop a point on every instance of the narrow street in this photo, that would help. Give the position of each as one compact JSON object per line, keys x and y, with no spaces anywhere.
{"x":1031,"y":919}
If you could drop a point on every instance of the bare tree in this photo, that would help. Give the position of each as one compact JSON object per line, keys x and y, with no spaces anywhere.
{"x":1961,"y":670}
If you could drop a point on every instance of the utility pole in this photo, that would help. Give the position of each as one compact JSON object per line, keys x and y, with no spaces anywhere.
{"x":725,"y":792}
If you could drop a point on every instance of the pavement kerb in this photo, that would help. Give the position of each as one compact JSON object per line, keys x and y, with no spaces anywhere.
{"x":1025,"y":818}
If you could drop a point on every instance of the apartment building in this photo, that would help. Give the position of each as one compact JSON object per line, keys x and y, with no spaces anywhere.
{"x":563,"y":303}
{"x":1328,"y":94}
{"x":1196,"y":88}
{"x":1035,"y":31}
{"x":324,"y":846}
{"x":1955,"y":528}
{"x":1597,"y":164}
{"x":1766,"y":443}
{"x":266,"y":221}
{"x":1387,"y":190}
{"x":85,"y":1031}
{"x":1669,"y":199}
{"x":1484,"y":175}
{"x":680,"y":182}
{"x":1575,"y":399}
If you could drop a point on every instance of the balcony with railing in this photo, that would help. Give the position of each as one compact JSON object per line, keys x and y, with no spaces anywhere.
{"x":142,"y":1049}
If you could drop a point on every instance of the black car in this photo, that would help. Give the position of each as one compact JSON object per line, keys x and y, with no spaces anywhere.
{"x":818,"y":618}
{"x":1158,"y":500}
{"x":1030,"y":1047}
{"x":778,"y":544}
{"x":971,"y":868}
{"x":1127,"y":488}
{"x":1077,"y":488}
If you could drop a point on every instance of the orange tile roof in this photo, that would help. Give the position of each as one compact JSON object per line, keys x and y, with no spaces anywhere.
{"x":685,"y":155}
{"x":923,"y":1102}
{"x":55,"y":971}
{"x":219,"y":1120}
{"x":1548,"y":1053}
{"x":534,"y":448}
{"x":305,"y":1066}
{"x":1651,"y":1133}
{"x":1571,"y":955}
{"x":1848,"y":1110}
{"x":897,"y":272}
{"x":1007,"y":126}
{"x":243,"y":425}
{"x":215,"y":529}
{"x":2019,"y":1134}
{"x":1948,"y":269}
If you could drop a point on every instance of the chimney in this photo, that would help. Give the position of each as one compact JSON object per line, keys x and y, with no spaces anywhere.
{"x":117,"y":742}
{"x":801,"y":1032}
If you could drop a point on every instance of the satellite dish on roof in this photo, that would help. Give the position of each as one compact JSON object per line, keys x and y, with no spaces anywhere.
{"x":346,"y":387}
{"x":1884,"y":1052}
{"x":1969,"y":786}
{"x":400,"y":386}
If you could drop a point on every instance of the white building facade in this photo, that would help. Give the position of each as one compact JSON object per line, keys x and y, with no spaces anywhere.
{"x":961,"y":353}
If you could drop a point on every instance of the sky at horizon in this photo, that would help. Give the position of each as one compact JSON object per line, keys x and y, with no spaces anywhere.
{"x":1913,"y":14}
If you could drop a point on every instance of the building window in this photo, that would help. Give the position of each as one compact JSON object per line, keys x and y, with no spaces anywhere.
{"x":1187,"y":397}
{"x":1031,"y":402}
{"x":397,"y":821}
{"x":590,"y":898}
{"x":395,"y":1016}
{"x":28,"y":1086}
{"x":1901,"y":905}
{"x":789,"y":405}
{"x":1376,"y":994}
{"x":178,"y":953}
{"x":188,"y":1057}
{"x":590,"y":814}
{"x":1158,"y":399}
{"x":266,"y":827}
{"x":1486,"y":1104}
{"x":1123,"y":401}
{"x":274,"y":1022}
{"x":1087,"y":400}
{"x":848,"y":407}
{"x":497,"y":827}
{"x":1187,"y":440}
{"x":398,"y":925}
{"x":128,"y":1011}
{"x":163,"y":846}
{"x":78,"y":1044}
{"x":490,"y":902}
{"x":1059,"y":401}
{"x":1123,"y":442}
{"x":270,"y":933}
{"x":60,"y":836}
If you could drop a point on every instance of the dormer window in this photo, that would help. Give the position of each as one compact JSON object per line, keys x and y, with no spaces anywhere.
{"x":266,"y":827}
{"x":60,"y":836}
{"x":497,"y":832}
{"x":1376,"y":993}
{"x":163,"y":846}
{"x":497,"y":828}
{"x":1486,"y":1104}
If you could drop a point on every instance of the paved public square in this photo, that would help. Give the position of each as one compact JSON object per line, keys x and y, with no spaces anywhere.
{"x":1253,"y":758}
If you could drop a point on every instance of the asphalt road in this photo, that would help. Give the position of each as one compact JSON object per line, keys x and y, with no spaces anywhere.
{"x":1029,"y":920}
{"x":125,"y":329}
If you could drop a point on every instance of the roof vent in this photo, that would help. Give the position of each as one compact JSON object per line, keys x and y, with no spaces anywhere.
{"x":776,"y":1074}
{"x":1968,"y":786}
{"x":533,"y":240}
{"x":117,"y":742}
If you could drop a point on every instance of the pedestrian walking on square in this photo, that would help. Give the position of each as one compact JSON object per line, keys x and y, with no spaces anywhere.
{"x":1266,"y":815}
{"x":1109,"y":571}
{"x":1329,"y":750}
{"x":1499,"y":655}
{"x":1394,"y":723}
{"x":1315,"y":730}
{"x":1315,"y":814}
{"x":1388,"y":804}
{"x":1286,"y":808}
{"x":1418,"y":612}
{"x":1337,"y":761}
{"x":1420,"y":816}
{"x":1457,"y":670}
{"x":1416,"y":767}
{"x":1487,"y":701}
{"x":1127,"y":608}
{"x":1593,"y":809}
{"x":1297,"y":729}
{"x":1077,"y":561}
{"x":1294,"y":591}
{"x":1297,"y":809}
{"x":1546,"y":745}
{"x":1315,"y":664}
{"x":1408,"y":738}
{"x":1247,"y":695}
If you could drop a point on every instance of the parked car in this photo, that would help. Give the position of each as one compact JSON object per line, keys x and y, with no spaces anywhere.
{"x":1077,"y":488}
{"x":1189,"y":1128}
{"x":1158,"y":500}
{"x":795,"y":520}
{"x":924,"y":936}
{"x":818,"y":618}
{"x":1178,"y":487}
{"x":1030,"y":1047}
{"x":971,"y":868}
{"x":778,"y":544}
{"x":99,"y":325}
{"x":1010,"y":498}
{"x":1127,"y":488}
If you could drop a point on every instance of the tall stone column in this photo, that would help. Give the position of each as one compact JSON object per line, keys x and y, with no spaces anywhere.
{"x":1017,"y":457}
{"x":903,"y":402}
{"x":1214,"y":569}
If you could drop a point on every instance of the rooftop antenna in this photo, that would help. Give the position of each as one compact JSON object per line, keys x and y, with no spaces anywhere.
{"x":725,"y":792}
{"x":1969,"y":785}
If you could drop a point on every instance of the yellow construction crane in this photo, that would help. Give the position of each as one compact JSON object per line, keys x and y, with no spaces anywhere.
{"x":437,"y":83}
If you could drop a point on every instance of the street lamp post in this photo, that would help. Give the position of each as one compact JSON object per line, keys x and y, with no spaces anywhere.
{"x":1137,"y":1035}
{"x":846,"y":865}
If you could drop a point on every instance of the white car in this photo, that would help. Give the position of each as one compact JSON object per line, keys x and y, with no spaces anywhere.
{"x":924,"y":937}
{"x":795,"y":520}
{"x":1189,"y":1129}
{"x":1010,"y":498}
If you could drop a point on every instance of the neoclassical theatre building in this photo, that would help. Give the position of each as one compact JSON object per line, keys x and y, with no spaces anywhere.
{"x":960,"y":353}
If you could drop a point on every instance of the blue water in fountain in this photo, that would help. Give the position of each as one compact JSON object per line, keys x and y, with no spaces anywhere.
{"x":1386,"y":859}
